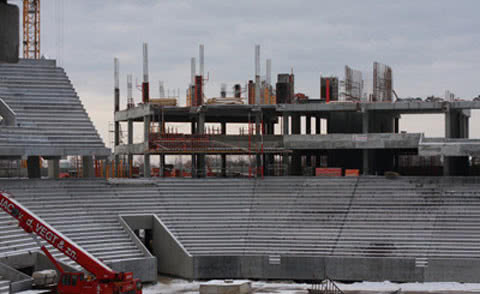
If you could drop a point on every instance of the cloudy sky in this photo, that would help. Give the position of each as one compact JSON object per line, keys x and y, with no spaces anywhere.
{"x":432,"y":45}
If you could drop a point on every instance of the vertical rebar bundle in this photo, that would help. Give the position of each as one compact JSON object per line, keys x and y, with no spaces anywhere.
{"x":130,"y":102}
{"x":257,"y":74}
{"x":116,"y":78}
{"x":193,"y":70}
{"x":202,"y":60}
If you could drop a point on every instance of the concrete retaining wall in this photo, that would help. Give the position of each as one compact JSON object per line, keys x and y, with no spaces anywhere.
{"x":172,"y":257}
{"x":307,"y":268}
{"x":143,"y":268}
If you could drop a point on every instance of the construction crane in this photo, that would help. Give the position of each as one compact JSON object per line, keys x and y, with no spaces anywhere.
{"x":104,"y":280}
{"x":31,"y":29}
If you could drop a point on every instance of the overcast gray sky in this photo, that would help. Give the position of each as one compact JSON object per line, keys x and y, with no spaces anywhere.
{"x":432,"y":45}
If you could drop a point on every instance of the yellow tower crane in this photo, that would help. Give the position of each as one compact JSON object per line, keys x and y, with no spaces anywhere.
{"x":31,"y":29}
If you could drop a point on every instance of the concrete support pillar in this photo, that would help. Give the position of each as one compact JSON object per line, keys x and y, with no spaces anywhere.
{"x":296,"y":168}
{"x":117,"y":142}
{"x":269,"y":159}
{"x":130,"y":141}
{"x":365,"y":152}
{"x":318,"y":131}
{"x":53,"y":168}
{"x":285,"y":124}
{"x":397,"y":124}
{"x":318,"y":125}
{"x":162,"y":165}
{"x":258,"y":157}
{"x":296,"y":130}
{"x":308,"y":125}
{"x":33,"y":167}
{"x":87,"y":167}
{"x":285,"y":156}
{"x":194,"y":166}
{"x":201,"y":157}
{"x":456,"y":126}
{"x":105,"y":167}
{"x":146,"y":154}
{"x":224,"y":156}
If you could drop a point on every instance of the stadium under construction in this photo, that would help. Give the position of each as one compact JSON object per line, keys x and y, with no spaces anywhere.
{"x":333,"y":188}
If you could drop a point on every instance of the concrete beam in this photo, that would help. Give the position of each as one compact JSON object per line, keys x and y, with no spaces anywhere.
{"x":136,"y":113}
{"x":352,"y":141}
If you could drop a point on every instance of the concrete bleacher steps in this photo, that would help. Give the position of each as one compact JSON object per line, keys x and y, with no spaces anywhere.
{"x":101,"y":234}
{"x":49,"y":112}
{"x":4,"y":286}
{"x":410,"y":221}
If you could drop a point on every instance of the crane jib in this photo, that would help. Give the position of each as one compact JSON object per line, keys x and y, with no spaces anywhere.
{"x":30,"y":225}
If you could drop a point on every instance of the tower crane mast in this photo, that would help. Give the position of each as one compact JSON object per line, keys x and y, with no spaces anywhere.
{"x":31,"y":29}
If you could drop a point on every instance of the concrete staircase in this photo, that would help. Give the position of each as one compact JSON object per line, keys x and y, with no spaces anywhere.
{"x":49,"y":111}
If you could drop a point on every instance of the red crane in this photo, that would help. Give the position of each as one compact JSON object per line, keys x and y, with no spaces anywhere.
{"x":104,"y":280}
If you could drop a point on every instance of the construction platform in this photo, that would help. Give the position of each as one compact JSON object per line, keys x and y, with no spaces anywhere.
{"x":357,"y":135}
{"x":353,"y":229}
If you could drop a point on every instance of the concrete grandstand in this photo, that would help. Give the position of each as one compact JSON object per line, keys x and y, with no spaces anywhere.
{"x":366,"y":228}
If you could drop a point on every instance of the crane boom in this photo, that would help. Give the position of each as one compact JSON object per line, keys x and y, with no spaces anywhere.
{"x":35,"y":225}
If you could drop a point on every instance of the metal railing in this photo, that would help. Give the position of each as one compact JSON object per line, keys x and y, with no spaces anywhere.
{"x":326,"y":286}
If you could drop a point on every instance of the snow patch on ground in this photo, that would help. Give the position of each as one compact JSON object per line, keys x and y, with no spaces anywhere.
{"x":182,"y":286}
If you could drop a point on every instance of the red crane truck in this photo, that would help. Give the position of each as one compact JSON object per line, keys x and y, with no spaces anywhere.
{"x":103,"y":280}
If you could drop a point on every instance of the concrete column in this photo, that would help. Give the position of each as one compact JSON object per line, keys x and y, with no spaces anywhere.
{"x":456,"y":126}
{"x":285,"y":124}
{"x":365,"y":153}
{"x":87,"y":167}
{"x":318,"y":131}
{"x":193,"y":127}
{"x":117,"y":142}
{"x":53,"y":168}
{"x":258,"y":157}
{"x":296,"y":126}
{"x":33,"y":167}
{"x":296,"y":168}
{"x":224,"y":156}
{"x":146,"y":154}
{"x":285,"y":156}
{"x":318,"y":125}
{"x":269,"y":158}
{"x":194,"y":166}
{"x":105,"y":167}
{"x":201,"y":157}
{"x":397,"y":124}
{"x":162,"y":165}
{"x":130,"y":142}
{"x":308,"y":125}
